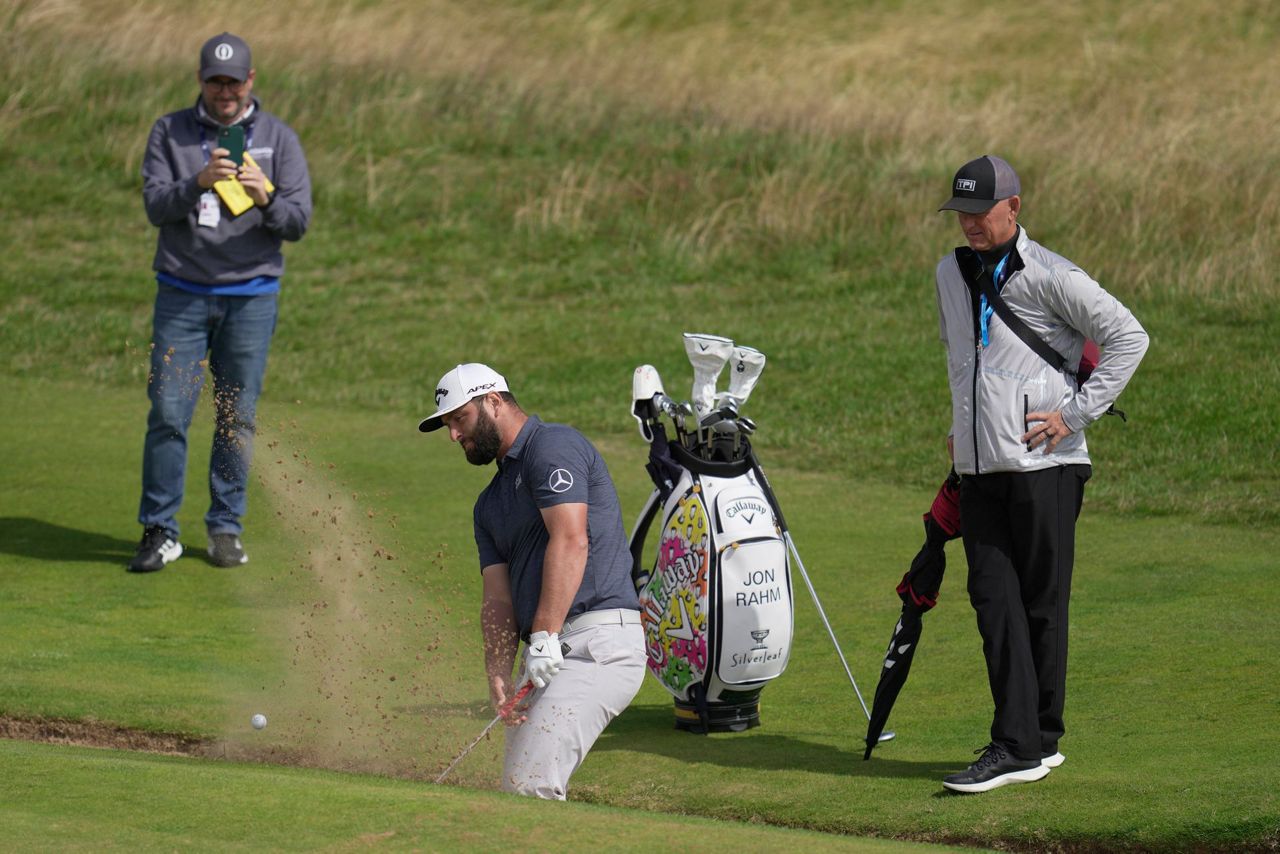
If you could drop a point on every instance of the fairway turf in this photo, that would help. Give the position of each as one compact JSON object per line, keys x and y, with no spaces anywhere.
{"x":1169,"y":660}
{"x":53,"y":799}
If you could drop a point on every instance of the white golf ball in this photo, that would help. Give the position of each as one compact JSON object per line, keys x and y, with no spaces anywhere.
{"x":259,"y":721}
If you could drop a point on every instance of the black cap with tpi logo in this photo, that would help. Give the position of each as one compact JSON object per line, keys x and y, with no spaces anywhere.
{"x":980,"y":184}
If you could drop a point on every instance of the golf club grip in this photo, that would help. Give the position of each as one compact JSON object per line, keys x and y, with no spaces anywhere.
{"x":511,"y":704}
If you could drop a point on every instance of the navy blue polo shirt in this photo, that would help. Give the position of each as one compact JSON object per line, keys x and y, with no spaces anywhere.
{"x":550,"y":464}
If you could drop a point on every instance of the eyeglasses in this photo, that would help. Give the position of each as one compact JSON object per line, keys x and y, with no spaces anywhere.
{"x":215,"y":84}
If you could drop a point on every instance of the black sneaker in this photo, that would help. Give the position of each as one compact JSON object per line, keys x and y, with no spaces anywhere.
{"x":157,"y":548}
{"x":996,"y":768}
{"x":226,"y":550}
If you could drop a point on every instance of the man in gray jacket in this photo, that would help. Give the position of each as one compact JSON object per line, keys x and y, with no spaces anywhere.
{"x":1017,"y":440}
{"x":218,"y":271}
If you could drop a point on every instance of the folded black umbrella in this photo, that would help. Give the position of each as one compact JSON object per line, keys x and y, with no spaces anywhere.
{"x":919,"y":592}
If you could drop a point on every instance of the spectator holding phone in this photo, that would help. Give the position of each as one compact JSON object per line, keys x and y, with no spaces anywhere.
{"x":218,"y":268}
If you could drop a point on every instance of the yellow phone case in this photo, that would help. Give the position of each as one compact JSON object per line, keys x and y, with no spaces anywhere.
{"x":232,"y":192}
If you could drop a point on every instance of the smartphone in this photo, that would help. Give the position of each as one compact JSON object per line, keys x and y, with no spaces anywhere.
{"x":232,"y":139}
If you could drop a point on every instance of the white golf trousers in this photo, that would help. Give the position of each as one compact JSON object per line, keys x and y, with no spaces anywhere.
{"x":601,"y":675}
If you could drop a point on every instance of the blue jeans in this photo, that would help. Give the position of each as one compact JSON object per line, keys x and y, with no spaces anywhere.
{"x":235,"y":333}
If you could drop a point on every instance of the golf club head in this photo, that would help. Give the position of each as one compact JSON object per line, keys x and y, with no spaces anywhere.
{"x":672,"y":408}
{"x":645,"y":385}
{"x":747,"y":365}
{"x":708,"y":355}
{"x":726,"y":402}
{"x":725,"y":426}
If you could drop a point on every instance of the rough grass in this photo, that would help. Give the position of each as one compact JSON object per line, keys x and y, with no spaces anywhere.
{"x":561,"y":188}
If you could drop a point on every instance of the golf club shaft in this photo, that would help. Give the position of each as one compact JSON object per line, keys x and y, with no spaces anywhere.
{"x":502,"y":713}
{"x":791,"y":544}
{"x":467,"y":749}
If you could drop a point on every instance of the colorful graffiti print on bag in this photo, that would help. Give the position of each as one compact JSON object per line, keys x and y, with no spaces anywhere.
{"x":673,"y":606}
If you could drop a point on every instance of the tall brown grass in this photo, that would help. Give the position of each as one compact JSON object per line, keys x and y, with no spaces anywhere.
{"x":1145,"y":133}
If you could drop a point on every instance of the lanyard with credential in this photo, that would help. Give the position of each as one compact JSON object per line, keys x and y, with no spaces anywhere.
{"x":987,"y":310}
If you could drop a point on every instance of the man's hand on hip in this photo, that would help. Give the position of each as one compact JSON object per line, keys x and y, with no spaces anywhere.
{"x":1049,"y":430}
{"x":543,"y":659}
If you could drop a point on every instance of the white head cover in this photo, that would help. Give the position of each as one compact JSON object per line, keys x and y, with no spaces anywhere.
{"x":458,"y":387}
{"x":645,"y":384}
{"x":747,"y":363}
{"x":707,"y":354}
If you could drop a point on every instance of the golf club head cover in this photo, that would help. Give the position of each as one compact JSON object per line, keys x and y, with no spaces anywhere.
{"x":745,"y":366}
{"x":708,"y":355}
{"x":645,"y":385}
{"x":544,"y":658}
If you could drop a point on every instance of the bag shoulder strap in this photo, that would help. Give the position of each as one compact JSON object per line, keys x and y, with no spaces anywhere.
{"x":974,"y":273}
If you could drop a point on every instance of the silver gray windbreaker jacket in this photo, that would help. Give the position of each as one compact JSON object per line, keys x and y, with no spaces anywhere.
{"x":993,"y":387}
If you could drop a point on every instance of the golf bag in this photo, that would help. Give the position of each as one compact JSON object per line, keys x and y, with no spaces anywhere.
{"x":716,"y":601}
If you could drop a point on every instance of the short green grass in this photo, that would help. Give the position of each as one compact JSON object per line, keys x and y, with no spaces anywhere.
{"x":77,"y":799}
{"x":1170,"y":698}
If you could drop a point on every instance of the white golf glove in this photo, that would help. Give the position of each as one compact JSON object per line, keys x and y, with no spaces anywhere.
{"x":543,"y":659}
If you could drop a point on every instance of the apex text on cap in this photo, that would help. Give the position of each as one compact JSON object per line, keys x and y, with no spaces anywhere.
{"x":460,"y":386}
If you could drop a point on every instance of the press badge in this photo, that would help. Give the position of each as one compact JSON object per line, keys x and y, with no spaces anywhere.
{"x":210,"y":210}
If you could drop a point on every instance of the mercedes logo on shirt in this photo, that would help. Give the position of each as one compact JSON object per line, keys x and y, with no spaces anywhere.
{"x":560,"y":480}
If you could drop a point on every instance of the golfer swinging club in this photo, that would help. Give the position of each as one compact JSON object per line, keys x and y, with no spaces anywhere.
{"x":556,"y":573}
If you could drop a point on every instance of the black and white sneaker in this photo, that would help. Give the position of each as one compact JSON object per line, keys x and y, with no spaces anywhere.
{"x":996,"y":768}
{"x":1053,"y":760}
{"x":226,"y":550}
{"x":157,"y":548}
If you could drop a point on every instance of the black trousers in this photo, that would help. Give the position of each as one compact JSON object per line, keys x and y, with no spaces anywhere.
{"x":1019,"y":538}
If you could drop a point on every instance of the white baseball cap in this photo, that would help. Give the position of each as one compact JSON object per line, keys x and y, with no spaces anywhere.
{"x":458,"y":387}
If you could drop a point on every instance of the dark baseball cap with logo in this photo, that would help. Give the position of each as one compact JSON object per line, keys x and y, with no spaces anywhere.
{"x":460,"y":386}
{"x":225,"y":56}
{"x":980,"y":184}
